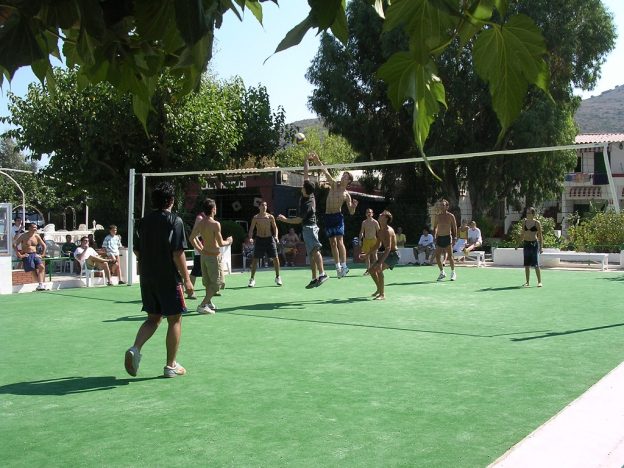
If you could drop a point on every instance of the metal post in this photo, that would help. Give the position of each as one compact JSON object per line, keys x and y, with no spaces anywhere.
{"x":614,"y":195}
{"x":23,"y":198}
{"x":143,"y":196}
{"x":130,"y":259}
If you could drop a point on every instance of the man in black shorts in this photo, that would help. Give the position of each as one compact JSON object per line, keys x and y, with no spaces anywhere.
{"x":160,"y":248}
{"x":265,"y":242}
{"x":445,"y":233}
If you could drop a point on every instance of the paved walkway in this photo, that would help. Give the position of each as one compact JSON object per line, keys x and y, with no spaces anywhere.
{"x":587,"y":433}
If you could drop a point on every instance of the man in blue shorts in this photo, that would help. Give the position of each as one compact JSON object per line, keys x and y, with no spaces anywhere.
{"x":161,"y":245}
{"x":334,"y":219}
{"x":307,"y":218}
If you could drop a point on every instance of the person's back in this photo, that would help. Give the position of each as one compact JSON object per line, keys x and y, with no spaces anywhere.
{"x":155,"y":260}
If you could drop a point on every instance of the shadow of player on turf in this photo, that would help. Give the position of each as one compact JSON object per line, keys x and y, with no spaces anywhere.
{"x":68,"y":385}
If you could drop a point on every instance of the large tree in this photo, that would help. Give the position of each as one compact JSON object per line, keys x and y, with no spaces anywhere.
{"x":469,"y":124}
{"x":93,"y":139}
{"x":130,"y":42}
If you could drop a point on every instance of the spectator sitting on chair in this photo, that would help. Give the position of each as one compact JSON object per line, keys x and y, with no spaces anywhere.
{"x":400,"y":238}
{"x":68,"y":249}
{"x":289,"y":244}
{"x":87,"y":255}
{"x":112,"y":243}
{"x":426,"y":246}
{"x":474,"y":237}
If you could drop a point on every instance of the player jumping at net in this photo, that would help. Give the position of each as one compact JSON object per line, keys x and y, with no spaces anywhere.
{"x":334,"y":220}
{"x":307,"y":218}
{"x":390,"y":256}
{"x":265,"y":242}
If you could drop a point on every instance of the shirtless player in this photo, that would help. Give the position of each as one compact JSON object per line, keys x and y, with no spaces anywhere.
{"x":390,"y":256}
{"x":368,"y":239}
{"x":30,"y":258}
{"x":265,"y":242}
{"x":334,"y":220}
{"x":209,"y":231}
{"x":444,"y":232}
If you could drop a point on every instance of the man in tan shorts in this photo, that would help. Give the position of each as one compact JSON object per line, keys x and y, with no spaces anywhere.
{"x":209,"y":231}
{"x":334,"y":220}
{"x":444,"y":232}
{"x":368,"y":239}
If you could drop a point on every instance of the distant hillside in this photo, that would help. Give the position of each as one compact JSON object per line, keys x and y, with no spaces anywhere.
{"x":602,"y":114}
{"x":307,"y":123}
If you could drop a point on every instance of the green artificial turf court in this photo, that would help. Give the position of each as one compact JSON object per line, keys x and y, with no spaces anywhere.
{"x":439,"y":374}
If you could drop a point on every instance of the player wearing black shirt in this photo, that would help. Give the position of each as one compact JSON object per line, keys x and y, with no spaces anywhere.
{"x":162,"y":265}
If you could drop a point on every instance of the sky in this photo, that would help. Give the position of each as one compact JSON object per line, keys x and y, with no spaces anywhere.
{"x":241,"y":49}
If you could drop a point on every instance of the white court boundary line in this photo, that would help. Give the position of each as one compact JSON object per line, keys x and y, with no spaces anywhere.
{"x":587,"y":433}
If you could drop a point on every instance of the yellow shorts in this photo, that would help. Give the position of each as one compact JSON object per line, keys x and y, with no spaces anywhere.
{"x":368,"y":245}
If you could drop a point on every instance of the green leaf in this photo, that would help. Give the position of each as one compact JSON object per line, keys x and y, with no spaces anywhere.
{"x":295,"y":35}
{"x":92,"y":18}
{"x":255,"y":8}
{"x":18,"y":44}
{"x":509,"y":58}
{"x":154,"y":18}
{"x":60,"y":14}
{"x":141,"y":108}
{"x":191,"y":20}
{"x":427,"y":25}
{"x":340,"y":28}
{"x":501,"y":6}
{"x":410,"y":79}
{"x":324,"y":12}
{"x":474,"y":20}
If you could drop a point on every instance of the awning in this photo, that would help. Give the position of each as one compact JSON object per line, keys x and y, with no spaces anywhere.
{"x":586,"y":192}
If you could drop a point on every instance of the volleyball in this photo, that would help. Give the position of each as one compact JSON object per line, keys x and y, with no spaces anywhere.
{"x":300,"y":138}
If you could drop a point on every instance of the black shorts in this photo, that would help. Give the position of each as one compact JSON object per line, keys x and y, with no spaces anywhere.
{"x":163,"y":301}
{"x":196,"y":271}
{"x":265,"y":246}
{"x":443,"y":241}
{"x":531,"y":253}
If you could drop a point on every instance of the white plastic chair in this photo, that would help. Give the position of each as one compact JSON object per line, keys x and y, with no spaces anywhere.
{"x":89,"y":274}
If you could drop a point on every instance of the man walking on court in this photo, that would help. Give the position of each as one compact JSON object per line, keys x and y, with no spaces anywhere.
{"x":209,"y":231}
{"x":160,"y":248}
{"x":334,"y":220}
{"x":265,"y":242}
{"x":445,"y":231}
{"x":307,"y":218}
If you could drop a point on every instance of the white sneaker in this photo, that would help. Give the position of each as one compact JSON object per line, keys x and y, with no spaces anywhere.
{"x":252,"y":283}
{"x":205,"y":309}
{"x":344,"y":272}
{"x":338,"y":273}
{"x":278,"y":280}
{"x":132,"y":360}
{"x":453,"y":275}
{"x":442,"y":276}
{"x":212,"y":306}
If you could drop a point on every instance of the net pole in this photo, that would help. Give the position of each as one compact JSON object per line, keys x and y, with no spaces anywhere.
{"x":605,"y":155}
{"x":130,"y":261}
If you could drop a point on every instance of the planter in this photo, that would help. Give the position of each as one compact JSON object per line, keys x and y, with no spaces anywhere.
{"x":514,"y":257}
{"x":507,"y":257}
